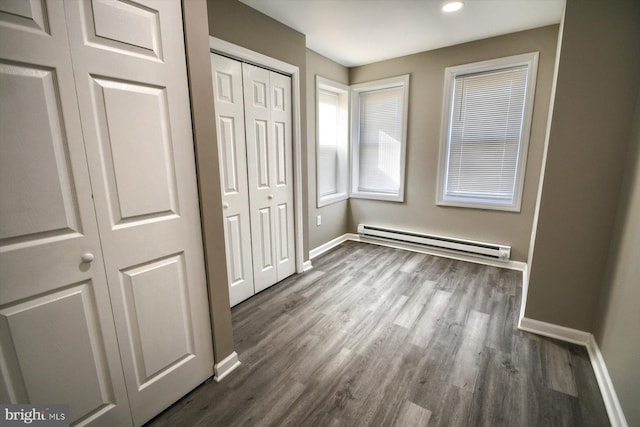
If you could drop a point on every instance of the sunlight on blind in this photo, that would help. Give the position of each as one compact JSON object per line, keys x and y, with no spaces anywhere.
{"x":380,"y":140}
{"x":485,"y":134}
{"x":328,"y":138}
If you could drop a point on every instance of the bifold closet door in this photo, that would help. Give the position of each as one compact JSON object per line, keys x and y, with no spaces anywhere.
{"x":254,"y":131}
{"x":229,"y":106}
{"x":130,"y":70}
{"x":267,"y":104}
{"x":67,"y":279}
{"x":57,"y":336}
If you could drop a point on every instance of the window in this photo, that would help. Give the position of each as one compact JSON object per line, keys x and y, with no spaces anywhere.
{"x":332,"y":161}
{"x":485,"y":134}
{"x":379,"y":128}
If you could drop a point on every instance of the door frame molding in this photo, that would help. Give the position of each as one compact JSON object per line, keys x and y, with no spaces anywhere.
{"x":226,"y":48}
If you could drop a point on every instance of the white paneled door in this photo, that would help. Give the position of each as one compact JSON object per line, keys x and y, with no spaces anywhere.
{"x":253,"y":117}
{"x":99,"y":234}
{"x":57,"y":337}
{"x":232,"y":154}
{"x":267,"y":99}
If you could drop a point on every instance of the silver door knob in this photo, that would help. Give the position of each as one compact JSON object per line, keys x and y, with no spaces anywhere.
{"x":88,"y":257}
{"x":270,"y":196}
{"x":225,"y":206}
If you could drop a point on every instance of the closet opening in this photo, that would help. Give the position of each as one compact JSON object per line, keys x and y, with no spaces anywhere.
{"x":257,"y":107}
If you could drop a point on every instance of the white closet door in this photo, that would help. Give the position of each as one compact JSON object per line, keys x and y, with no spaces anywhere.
{"x":229,"y":107}
{"x":57,"y":337}
{"x":267,"y":99}
{"x":282,"y":188}
{"x":260,"y":160}
{"x":129,"y":65}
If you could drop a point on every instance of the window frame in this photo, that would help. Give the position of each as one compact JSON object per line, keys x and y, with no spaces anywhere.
{"x":450,"y":73}
{"x":357,"y":89}
{"x":342,"y":169}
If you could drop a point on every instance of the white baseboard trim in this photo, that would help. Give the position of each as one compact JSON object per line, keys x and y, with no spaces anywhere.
{"x":609,"y":396}
{"x":225,"y":367}
{"x":550,"y":330}
{"x":525,"y":292}
{"x":327,"y":246}
{"x":512,"y":265}
{"x":306,"y":266}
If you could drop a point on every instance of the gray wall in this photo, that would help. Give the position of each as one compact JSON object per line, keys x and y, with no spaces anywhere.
{"x":597,"y":85}
{"x":232,"y":21}
{"x":616,"y":330}
{"x":237,"y":23}
{"x":334,"y":216}
{"x":196,"y":31}
{"x":419,"y":212}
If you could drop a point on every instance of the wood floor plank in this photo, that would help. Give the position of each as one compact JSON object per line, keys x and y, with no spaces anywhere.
{"x":375,"y":336}
{"x":466,"y":365}
{"x":409,"y":313}
{"x":411,"y":264}
{"x":431,"y":315}
{"x":590,"y":405}
{"x":558,"y":367}
{"x":412,"y":415}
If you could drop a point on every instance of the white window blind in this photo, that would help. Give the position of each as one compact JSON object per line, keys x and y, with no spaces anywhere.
{"x":485,"y":134}
{"x":380,"y":143}
{"x":327,"y":163}
{"x":332,"y":141}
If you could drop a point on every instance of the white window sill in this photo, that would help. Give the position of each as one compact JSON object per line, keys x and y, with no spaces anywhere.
{"x":331,"y":199}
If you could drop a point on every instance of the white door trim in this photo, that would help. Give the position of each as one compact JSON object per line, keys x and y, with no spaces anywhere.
{"x":217,"y":45}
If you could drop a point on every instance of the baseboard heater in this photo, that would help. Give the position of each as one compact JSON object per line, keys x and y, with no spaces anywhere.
{"x":468,"y":247}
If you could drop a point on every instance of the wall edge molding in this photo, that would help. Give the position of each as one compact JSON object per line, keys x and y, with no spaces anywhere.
{"x":225,"y":366}
{"x":551,"y":330}
{"x":306,"y":266}
{"x":525,"y":292}
{"x":607,"y":390}
{"x":327,"y":246}
{"x":586,"y":339}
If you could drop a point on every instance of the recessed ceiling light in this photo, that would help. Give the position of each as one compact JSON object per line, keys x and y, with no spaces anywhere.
{"x":452,"y":6}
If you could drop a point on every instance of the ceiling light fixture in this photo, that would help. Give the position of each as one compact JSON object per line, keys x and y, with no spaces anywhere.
{"x":452,"y":6}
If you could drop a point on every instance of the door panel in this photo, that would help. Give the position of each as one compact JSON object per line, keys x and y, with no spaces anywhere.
{"x":26,"y":15}
{"x":57,"y":335}
{"x":130,"y":23}
{"x":281,"y":115}
{"x":260,"y":161}
{"x":281,"y":153}
{"x":46,"y":194}
{"x":229,"y":110}
{"x":264,"y":239}
{"x":162,"y":339}
{"x":261,"y":153}
{"x":127,"y":141}
{"x":51,"y":325}
{"x":236,"y":249}
{"x":129,"y":28}
{"x":283,"y":237}
{"x":136,"y":119}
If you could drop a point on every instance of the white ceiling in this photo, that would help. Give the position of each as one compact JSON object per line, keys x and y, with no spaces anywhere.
{"x":357,"y":32}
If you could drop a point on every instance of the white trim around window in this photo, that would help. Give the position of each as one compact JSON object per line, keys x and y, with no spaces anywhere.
{"x":379,"y":111}
{"x":332,"y":141}
{"x":486,"y":122}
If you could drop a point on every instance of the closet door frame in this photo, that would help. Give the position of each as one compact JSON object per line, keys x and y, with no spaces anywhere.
{"x":223,"y":47}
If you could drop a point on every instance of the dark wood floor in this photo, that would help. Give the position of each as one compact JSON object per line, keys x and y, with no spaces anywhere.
{"x":379,"y":336}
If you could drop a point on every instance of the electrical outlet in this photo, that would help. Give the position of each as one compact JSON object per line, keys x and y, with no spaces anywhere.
{"x":318,"y":220}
